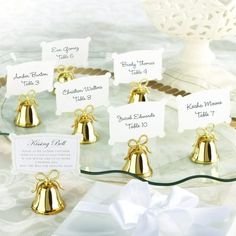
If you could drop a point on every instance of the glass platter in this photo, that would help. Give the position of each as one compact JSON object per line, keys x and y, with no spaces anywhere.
{"x":170,"y":155}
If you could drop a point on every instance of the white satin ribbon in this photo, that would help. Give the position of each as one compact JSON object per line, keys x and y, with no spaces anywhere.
{"x":156,"y":214}
{"x":144,"y":213}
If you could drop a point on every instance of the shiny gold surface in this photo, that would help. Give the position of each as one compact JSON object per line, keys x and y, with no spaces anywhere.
{"x":139,"y":92}
{"x":137,"y":158}
{"x":3,"y":80}
{"x":233,"y":122}
{"x":83,"y":124}
{"x":27,"y":115}
{"x":65,"y":74}
{"x":48,"y":200}
{"x":205,"y":151}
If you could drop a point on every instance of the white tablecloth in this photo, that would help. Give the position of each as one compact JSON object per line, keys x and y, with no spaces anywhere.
{"x":115,"y":26}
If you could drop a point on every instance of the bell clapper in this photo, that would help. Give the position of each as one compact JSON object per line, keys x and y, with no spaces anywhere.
{"x":139,"y":91}
{"x":27,"y":115}
{"x":48,"y":200}
{"x":205,"y":150}
{"x":137,"y":157}
{"x":83,"y":125}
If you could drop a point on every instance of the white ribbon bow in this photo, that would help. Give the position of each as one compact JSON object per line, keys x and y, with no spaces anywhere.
{"x":149,"y":214}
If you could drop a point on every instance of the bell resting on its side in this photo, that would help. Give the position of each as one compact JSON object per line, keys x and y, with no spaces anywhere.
{"x":27,"y":115}
{"x":137,"y":158}
{"x":83,"y":125}
{"x":205,"y":151}
{"x":47,"y":200}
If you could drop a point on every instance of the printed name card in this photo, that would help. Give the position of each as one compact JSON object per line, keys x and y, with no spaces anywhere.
{"x":67,"y":51}
{"x":80,"y":92}
{"x":132,"y":120}
{"x":44,"y":152}
{"x":37,"y":76}
{"x":137,"y":65}
{"x":203,"y":108}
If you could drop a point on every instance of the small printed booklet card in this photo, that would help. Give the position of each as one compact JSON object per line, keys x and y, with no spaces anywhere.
{"x":203,"y":108}
{"x":44,"y":152}
{"x":137,"y":65}
{"x":90,"y":90}
{"x":133,"y":120}
{"x":37,"y":76}
{"x":67,"y":51}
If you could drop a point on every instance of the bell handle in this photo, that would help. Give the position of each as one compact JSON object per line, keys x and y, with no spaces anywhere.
{"x":60,"y":69}
{"x":139,"y":84}
{"x":132,"y":143}
{"x":30,"y":95}
{"x":205,"y":131}
{"x":41,"y":177}
{"x":78,"y":112}
{"x":53,"y":175}
{"x":58,"y":184}
{"x":88,"y":110}
{"x":210,"y":128}
{"x":36,"y":187}
{"x":143,"y":82}
{"x":143,"y":139}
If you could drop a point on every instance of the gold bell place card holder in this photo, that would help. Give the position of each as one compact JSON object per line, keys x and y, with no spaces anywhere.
{"x":137,"y":68}
{"x":67,"y":54}
{"x":83,"y":124}
{"x":45,"y":156}
{"x":137,"y":161}
{"x":135,"y":123}
{"x":48,"y":200}
{"x":27,"y":113}
{"x":202,"y":111}
{"x":26,"y":80}
{"x":65,"y":74}
{"x":81,"y":96}
{"x":139,"y":92}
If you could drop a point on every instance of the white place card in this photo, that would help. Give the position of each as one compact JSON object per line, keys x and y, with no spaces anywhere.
{"x":83,"y":91}
{"x":67,"y":52}
{"x":137,"y":65}
{"x":44,"y":152}
{"x":203,"y":108}
{"x":36,"y":75}
{"x":133,"y":120}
